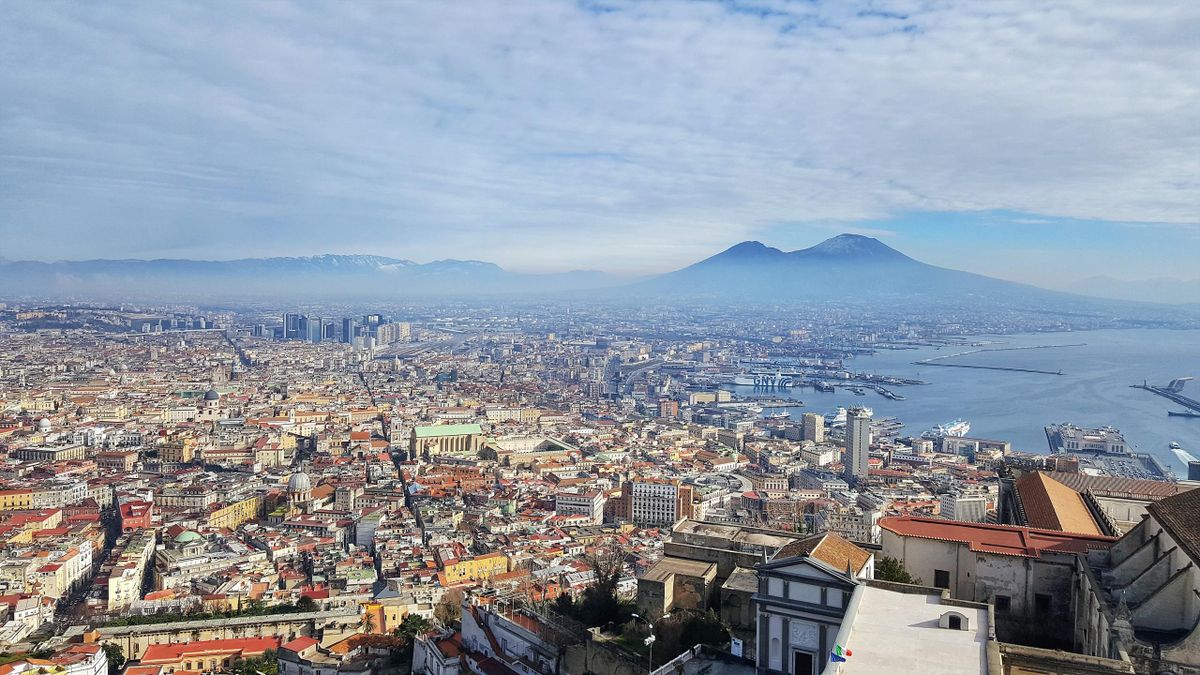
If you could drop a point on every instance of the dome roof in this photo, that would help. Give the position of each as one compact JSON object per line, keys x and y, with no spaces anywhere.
{"x":211,"y":395}
{"x":43,"y":424}
{"x":186,"y":536}
{"x":299,"y":482}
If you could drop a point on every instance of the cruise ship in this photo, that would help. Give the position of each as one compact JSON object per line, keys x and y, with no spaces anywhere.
{"x":838,"y":419}
{"x":957,"y":429}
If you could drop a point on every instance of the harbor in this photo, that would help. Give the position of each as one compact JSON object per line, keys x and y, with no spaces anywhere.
{"x":1093,"y":390}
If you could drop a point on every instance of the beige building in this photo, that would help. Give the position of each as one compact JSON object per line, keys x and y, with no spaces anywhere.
{"x":446,"y":439}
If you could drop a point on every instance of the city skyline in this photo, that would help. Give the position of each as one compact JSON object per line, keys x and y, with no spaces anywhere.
{"x":629,"y":138}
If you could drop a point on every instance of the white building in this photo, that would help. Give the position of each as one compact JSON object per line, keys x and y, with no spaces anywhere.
{"x":590,"y":504}
{"x":967,"y":508}
{"x":656,"y":502}
{"x":1029,"y":575}
{"x":851,"y":522}
{"x":805,"y":609}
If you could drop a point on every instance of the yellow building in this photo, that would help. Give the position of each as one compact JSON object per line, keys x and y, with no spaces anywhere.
{"x":475,"y":569}
{"x":237,"y":513}
{"x":15,"y":500}
{"x":179,"y":451}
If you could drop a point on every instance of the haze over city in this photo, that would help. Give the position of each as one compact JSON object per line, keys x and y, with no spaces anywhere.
{"x":599,"y":337}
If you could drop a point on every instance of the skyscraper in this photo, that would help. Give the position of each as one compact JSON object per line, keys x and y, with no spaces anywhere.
{"x":312,"y":329}
{"x":858,"y":442}
{"x":349,"y":328}
{"x":291,"y":326}
{"x":814,"y":428}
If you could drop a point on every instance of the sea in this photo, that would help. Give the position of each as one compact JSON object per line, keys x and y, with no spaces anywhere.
{"x":1093,"y":390}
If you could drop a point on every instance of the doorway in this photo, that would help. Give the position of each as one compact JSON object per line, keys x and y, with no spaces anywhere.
{"x":803,"y":663}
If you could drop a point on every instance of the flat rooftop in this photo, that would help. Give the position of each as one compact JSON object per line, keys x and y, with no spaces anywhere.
{"x":665,"y":567}
{"x":893,"y":628}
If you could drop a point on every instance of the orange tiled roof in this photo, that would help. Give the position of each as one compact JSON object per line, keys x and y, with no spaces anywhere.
{"x":1000,"y":539}
{"x":1050,"y":505}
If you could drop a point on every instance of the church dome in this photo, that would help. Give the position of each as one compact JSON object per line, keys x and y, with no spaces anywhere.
{"x":211,"y":395}
{"x":43,"y":424}
{"x":299,"y":482}
{"x":186,"y":537}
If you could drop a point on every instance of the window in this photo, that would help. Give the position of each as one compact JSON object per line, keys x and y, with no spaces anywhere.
{"x":941,"y":578}
{"x":1003,"y":602}
{"x":1041,"y":603}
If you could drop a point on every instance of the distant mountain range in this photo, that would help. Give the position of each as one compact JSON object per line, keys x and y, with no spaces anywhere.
{"x":317,"y":277}
{"x":847,"y":268}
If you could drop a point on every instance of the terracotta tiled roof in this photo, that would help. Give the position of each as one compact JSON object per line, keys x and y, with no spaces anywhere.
{"x":171,"y":653}
{"x":1000,"y":539}
{"x":1050,"y":505}
{"x":1113,"y":486}
{"x":1178,"y":515}
{"x":830,"y":548}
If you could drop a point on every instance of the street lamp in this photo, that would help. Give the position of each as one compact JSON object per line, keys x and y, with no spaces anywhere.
{"x":649,"y":641}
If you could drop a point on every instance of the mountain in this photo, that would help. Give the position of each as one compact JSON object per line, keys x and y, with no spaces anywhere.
{"x":315,"y":277}
{"x":1162,"y":289}
{"x":849,"y":268}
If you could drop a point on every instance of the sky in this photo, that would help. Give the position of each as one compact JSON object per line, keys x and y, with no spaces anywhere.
{"x":1042,"y":142}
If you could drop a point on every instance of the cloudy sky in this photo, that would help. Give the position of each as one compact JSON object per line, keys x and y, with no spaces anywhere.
{"x":1031,"y":140}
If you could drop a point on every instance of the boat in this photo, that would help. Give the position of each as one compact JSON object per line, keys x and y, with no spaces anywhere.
{"x":1183,"y":413}
{"x":781,"y":415}
{"x":1184,"y":456}
{"x":958,"y":428}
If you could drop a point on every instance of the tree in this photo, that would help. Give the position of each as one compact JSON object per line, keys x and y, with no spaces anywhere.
{"x":306,"y":604}
{"x":488,"y":452}
{"x":685,"y":629}
{"x":265,"y":664}
{"x":890,"y":569}
{"x":449,"y":611}
{"x":115,"y":656}
{"x":367,"y":623}
{"x":411,"y":626}
{"x":564,"y":604}
{"x":599,"y":605}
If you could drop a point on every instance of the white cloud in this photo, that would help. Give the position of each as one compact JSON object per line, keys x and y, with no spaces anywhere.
{"x":544,"y":135}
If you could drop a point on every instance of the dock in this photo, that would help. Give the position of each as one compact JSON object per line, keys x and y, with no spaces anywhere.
{"x":1171,"y":394}
{"x":1008,"y":368}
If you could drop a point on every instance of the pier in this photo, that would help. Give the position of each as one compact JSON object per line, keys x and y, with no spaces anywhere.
{"x":1008,"y":368}
{"x":937,"y":360}
{"x":1172,"y":392}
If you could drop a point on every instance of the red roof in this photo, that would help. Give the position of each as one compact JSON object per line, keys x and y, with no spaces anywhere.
{"x":171,"y":653}
{"x":300,"y":644}
{"x":1000,"y":539}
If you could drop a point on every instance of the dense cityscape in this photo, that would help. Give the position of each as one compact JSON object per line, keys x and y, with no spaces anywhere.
{"x":599,"y":337}
{"x":543,"y":490}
